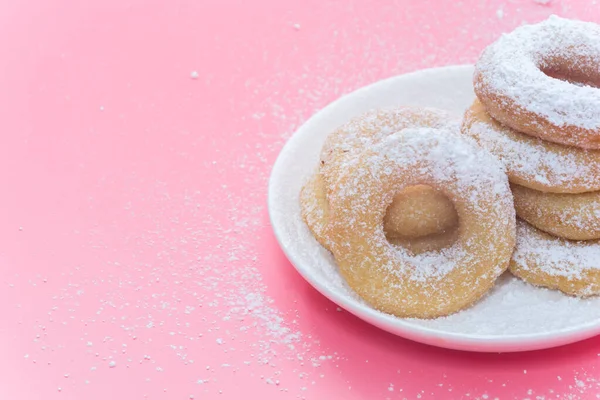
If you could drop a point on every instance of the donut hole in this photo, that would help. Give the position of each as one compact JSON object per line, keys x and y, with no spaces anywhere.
{"x":573,"y":79}
{"x":575,"y":70}
{"x":424,"y":244}
{"x":419,"y":210}
{"x":421,"y":219}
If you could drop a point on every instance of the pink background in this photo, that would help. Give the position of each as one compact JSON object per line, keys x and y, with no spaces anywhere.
{"x":136,"y":256}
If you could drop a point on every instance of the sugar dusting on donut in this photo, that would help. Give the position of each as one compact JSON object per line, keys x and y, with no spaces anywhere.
{"x":444,"y":156}
{"x":374,"y":125}
{"x":441,"y":155}
{"x":554,"y":256}
{"x":513,"y":67}
{"x":589,"y":219}
{"x":532,"y":159}
{"x":572,"y":216}
{"x":431,"y":264}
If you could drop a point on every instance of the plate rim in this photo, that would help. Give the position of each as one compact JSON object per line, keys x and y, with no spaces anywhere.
{"x":418,"y":333}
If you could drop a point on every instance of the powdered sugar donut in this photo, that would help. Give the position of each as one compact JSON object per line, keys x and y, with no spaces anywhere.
{"x":531,"y":162}
{"x":570,"y":216}
{"x":431,"y":284}
{"x":548,"y":261}
{"x":540,"y":80}
{"x":417,"y":209}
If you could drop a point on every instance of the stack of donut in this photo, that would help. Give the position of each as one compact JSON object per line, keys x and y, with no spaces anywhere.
{"x":420,"y":210}
{"x":538,"y":111}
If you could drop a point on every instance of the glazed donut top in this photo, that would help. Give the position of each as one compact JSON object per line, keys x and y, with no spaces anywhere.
{"x":520,"y":64}
{"x":439,"y":155}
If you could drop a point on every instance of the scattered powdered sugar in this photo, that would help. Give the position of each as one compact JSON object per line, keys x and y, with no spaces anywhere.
{"x":553,"y":255}
{"x":189,"y":297}
{"x":197,"y":282}
{"x":514,"y":307}
{"x":532,"y":160}
{"x":512,"y":66}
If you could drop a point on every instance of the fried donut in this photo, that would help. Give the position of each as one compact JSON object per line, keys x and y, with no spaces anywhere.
{"x":573,"y":267}
{"x":531,"y":162}
{"x":415,"y":209}
{"x":570,"y":216}
{"x":543,"y":80}
{"x":420,"y":211}
{"x":431,"y":284}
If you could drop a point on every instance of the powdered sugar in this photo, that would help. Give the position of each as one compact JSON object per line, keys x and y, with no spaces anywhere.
{"x":575,"y":216}
{"x":534,"y":162}
{"x":374,"y":125}
{"x":370,"y":128}
{"x":555,"y":256}
{"x":588,"y":221}
{"x":512,"y":66}
{"x":432,"y":263}
{"x":445,"y":156}
{"x":514,"y":307}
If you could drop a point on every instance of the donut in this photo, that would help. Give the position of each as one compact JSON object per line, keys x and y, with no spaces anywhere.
{"x":417,"y":210}
{"x":434,"y":283}
{"x":570,"y":216}
{"x":531,"y":162}
{"x":573,"y":267}
{"x":542,"y":80}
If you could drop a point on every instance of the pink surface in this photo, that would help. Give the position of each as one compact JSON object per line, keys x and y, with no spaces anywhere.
{"x":136,"y":254}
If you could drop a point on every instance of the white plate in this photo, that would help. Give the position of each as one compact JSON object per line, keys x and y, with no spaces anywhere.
{"x":514,"y":316}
